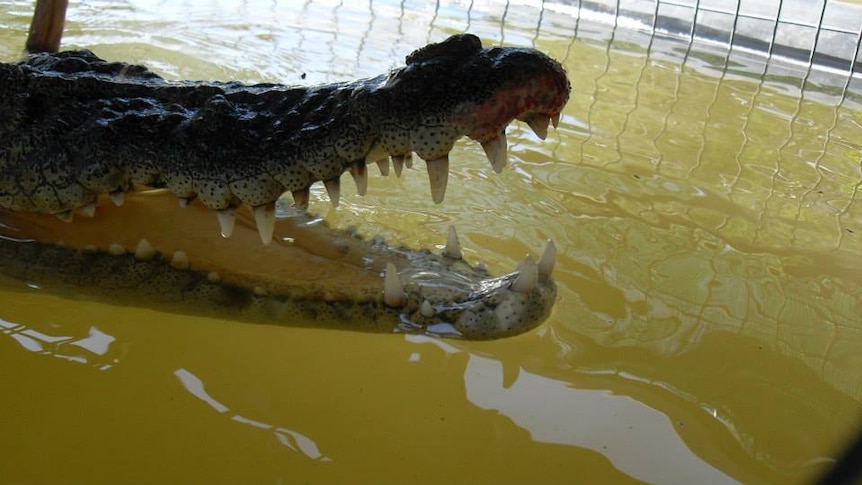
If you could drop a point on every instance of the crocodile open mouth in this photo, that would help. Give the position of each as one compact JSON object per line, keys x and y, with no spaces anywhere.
{"x":83,"y":137}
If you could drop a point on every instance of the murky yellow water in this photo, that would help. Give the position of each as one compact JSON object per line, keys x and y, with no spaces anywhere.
{"x":707,"y":329}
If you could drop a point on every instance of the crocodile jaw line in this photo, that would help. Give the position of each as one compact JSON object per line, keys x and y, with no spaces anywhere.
{"x":298,"y":257}
{"x":399,"y":289}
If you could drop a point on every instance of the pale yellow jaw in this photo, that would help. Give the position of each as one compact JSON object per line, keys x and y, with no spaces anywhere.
{"x":306,"y":267}
{"x":304,"y":258}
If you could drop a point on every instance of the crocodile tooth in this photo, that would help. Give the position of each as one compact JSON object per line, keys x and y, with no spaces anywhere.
{"x":118,"y":197}
{"x":398,"y":164}
{"x":213,"y":277}
{"x":333,"y":188}
{"x":226,"y":221}
{"x":383,"y":165}
{"x":180,"y":261}
{"x":453,"y":246}
{"x":144,"y":250}
{"x":65,"y":216}
{"x":300,"y":198}
{"x":264,"y":217}
{"x":393,"y":292}
{"x":528,"y":276}
{"x":497,"y":152}
{"x":548,"y":259}
{"x":438,"y":176}
{"x":539,"y":124}
{"x":184,"y":202}
{"x":408,"y":159}
{"x":555,"y":120}
{"x":427,"y":310}
{"x":360,"y":176}
{"x":376,"y":154}
{"x":116,"y":250}
{"x":88,"y":210}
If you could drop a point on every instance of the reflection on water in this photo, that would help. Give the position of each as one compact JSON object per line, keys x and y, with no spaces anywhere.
{"x":615,"y":426}
{"x":705,"y":204}
{"x":289,"y":438}
{"x":94,"y":349}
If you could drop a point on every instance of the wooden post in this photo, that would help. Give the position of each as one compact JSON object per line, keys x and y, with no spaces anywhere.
{"x":47,"y":26}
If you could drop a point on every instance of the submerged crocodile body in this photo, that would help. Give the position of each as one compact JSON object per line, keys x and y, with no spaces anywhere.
{"x":76,"y":131}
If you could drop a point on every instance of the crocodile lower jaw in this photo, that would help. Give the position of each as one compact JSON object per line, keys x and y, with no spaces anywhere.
{"x":149,"y":252}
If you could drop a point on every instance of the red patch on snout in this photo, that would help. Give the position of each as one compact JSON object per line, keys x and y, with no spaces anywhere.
{"x":545,"y":94}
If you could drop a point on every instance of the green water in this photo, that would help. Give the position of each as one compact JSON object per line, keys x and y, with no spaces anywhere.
{"x":707,"y":328}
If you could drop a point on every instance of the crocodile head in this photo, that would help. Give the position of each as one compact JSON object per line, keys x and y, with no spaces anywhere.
{"x":77,"y":131}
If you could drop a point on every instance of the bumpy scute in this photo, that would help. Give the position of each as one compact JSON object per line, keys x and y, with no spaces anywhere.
{"x":73,"y":126}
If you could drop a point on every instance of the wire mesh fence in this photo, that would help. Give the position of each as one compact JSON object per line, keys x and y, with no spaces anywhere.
{"x":824,"y":33}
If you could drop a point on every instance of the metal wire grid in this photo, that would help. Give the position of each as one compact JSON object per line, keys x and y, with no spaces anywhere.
{"x":824,"y":33}
{"x":791,"y":200}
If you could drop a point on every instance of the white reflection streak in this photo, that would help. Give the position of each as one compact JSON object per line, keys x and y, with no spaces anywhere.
{"x":305,"y":444}
{"x":27,"y":343}
{"x":251,"y":422}
{"x":639,"y":440}
{"x":196,"y":386}
{"x":96,"y":342}
{"x":289,"y":438}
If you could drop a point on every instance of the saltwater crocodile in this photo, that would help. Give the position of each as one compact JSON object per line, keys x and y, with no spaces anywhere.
{"x":77,"y":131}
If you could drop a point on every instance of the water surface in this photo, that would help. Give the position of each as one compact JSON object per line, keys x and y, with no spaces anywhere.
{"x":707,"y":329}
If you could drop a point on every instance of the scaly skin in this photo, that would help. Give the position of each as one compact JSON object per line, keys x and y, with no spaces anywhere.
{"x":74,"y":127}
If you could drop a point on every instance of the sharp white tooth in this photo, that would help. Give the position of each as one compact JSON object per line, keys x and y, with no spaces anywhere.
{"x":555,"y":120}
{"x":118,"y":197}
{"x":180,"y":261}
{"x":333,"y":188}
{"x":144,"y":250}
{"x":226,"y":221}
{"x":116,"y":250}
{"x":539,"y":124}
{"x":398,"y":164}
{"x":213,"y":277}
{"x":548,"y":259}
{"x":426,"y":310}
{"x":360,"y":176}
{"x":393,"y":292}
{"x":65,"y":216}
{"x":264,"y":218}
{"x":183,"y":202}
{"x":497,"y":152}
{"x":453,"y":246}
{"x":383,"y":165}
{"x":88,"y":210}
{"x":527,"y":278}
{"x":300,"y":198}
{"x":438,"y":176}
{"x":408,"y":159}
